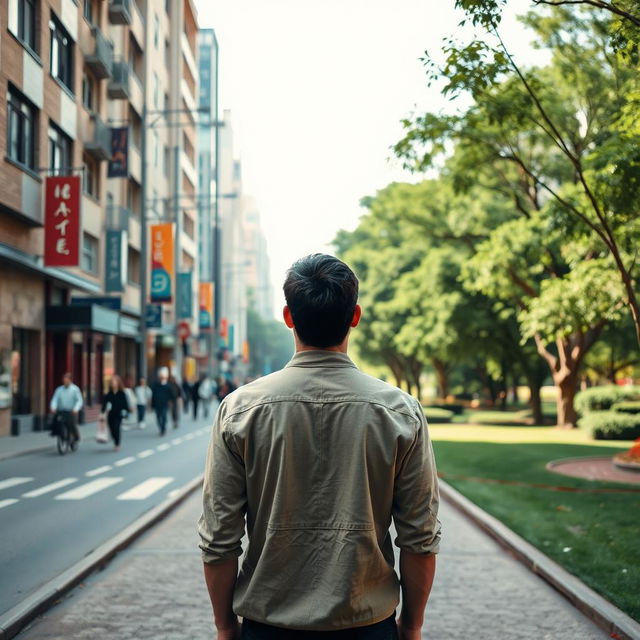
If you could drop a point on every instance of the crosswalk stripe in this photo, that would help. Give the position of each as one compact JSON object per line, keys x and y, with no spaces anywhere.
{"x":121,"y":463}
{"x":163,"y":447}
{"x":176,"y":441}
{"x":88,"y":489}
{"x":146,"y":453}
{"x":145,"y":489}
{"x":6,"y":503}
{"x":99,"y":470}
{"x":49,"y":487}
{"x":190,"y":436}
{"x":12,"y":482}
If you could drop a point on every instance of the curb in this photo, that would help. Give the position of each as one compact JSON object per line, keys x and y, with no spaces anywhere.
{"x":608,"y":617}
{"x":25,"y":452}
{"x":14,"y":620}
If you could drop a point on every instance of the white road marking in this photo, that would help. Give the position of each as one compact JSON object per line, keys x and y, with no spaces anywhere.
{"x":190,"y":436}
{"x":163,"y":447}
{"x":145,"y":489}
{"x":121,"y":463}
{"x":175,"y":492}
{"x":176,"y":441}
{"x":12,"y":482}
{"x":86,"y":490}
{"x":6,"y":503}
{"x":49,"y":487}
{"x":99,"y":470}
{"x":146,"y":453}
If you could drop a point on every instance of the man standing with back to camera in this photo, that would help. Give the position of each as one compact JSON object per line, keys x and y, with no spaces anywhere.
{"x":319,"y":457}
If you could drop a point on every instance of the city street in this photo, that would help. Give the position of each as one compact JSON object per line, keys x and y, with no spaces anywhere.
{"x":55,"y":509}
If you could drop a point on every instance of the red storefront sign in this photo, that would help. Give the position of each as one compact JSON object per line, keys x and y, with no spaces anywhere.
{"x":62,"y":221}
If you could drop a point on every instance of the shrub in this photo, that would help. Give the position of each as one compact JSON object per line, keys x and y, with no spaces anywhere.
{"x":458,"y":409}
{"x":603,"y":398}
{"x":436,"y":415}
{"x":611,"y":425}
{"x":630,"y":406}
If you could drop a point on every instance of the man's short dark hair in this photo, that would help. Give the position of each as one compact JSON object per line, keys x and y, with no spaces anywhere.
{"x":321,"y":293}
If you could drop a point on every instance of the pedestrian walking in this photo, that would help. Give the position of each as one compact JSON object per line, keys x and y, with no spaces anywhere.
{"x":205,"y":394}
{"x":187,"y":390}
{"x":161,"y":397}
{"x":319,"y":458}
{"x":176,"y":401}
{"x":225,"y":387}
{"x":143,"y":398}
{"x":115,"y":407}
{"x":66,"y":403}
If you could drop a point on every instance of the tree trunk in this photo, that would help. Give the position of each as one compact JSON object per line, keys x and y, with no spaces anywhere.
{"x":443,"y":377}
{"x":536,"y":402}
{"x":567,"y":385}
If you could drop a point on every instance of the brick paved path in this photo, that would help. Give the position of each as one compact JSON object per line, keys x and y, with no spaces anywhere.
{"x":155,"y":591}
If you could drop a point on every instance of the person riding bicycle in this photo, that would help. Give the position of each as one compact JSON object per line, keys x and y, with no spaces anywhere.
{"x":66,"y":403}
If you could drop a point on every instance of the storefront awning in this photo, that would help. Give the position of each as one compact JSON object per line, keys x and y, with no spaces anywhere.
{"x":34,"y":264}
{"x":83,"y":318}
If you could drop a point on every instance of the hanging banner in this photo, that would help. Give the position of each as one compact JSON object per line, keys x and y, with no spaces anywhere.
{"x":161,"y":262}
{"x":119,"y":160}
{"x":224,"y":330}
{"x":205,"y":317}
{"x":184,"y":295}
{"x":153,"y":316}
{"x":62,"y":221}
{"x":115,"y":254}
{"x":245,"y":352}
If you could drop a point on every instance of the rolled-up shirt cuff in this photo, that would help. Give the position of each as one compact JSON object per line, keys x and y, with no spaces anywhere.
{"x":216,"y":557}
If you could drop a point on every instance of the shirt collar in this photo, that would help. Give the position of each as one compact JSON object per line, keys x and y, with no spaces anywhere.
{"x":320,"y":358}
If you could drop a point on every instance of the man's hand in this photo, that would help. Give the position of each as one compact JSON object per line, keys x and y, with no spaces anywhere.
{"x":408,"y":634}
{"x":230,"y":633}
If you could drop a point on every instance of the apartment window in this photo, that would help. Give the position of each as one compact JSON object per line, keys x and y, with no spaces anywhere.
{"x":156,"y":150}
{"x":21,"y":129}
{"x":89,"y":253}
{"x":156,"y":91}
{"x":133,"y":266}
{"x":60,"y":148}
{"x":89,"y":93}
{"x":166,"y":162}
{"x":61,"y":58}
{"x":167,"y":6}
{"x":22,"y":21}
{"x":187,"y":225}
{"x":167,"y":53}
{"x":166,"y":102}
{"x":134,"y":198}
{"x":91,"y":176}
{"x":135,"y":128}
{"x":87,"y":10}
{"x":156,"y":31}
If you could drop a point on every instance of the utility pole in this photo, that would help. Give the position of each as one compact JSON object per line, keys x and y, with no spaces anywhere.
{"x":216,"y":230}
{"x":177,"y":350}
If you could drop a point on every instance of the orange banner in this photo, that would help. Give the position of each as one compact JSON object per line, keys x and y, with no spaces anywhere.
{"x":205,"y":298}
{"x":162,"y":268}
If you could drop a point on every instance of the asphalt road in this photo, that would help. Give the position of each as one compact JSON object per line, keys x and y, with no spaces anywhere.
{"x":54,"y":509}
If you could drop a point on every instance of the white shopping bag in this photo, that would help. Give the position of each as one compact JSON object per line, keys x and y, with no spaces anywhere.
{"x":101,"y":434}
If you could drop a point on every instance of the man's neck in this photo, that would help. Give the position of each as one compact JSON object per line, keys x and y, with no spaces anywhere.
{"x":339,"y":348}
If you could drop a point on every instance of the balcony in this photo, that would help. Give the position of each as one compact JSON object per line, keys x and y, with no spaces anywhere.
{"x":120,"y":11}
{"x":118,"y":218}
{"x":118,"y":88}
{"x":98,"y":144}
{"x":101,"y":60}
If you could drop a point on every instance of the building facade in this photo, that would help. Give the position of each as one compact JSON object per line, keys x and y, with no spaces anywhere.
{"x":71,"y":72}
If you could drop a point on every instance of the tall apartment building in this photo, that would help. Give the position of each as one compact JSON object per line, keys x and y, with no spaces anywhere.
{"x":258,"y":276}
{"x":70,"y":70}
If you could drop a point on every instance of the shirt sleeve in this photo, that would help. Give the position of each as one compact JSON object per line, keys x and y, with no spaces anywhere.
{"x":54,"y":400}
{"x":224,"y":499}
{"x":415,"y":495}
{"x":78,"y":404}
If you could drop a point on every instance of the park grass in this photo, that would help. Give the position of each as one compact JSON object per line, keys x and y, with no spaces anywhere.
{"x":595,"y":536}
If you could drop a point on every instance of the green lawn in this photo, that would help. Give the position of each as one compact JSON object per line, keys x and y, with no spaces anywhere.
{"x":595,"y":536}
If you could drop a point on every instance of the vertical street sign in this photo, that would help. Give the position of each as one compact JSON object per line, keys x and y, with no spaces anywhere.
{"x":119,"y":160}
{"x":62,"y":221}
{"x":115,"y":272}
{"x":184,"y":295}
{"x":205,"y":317}
{"x":153,"y":316}
{"x":161,"y":262}
{"x":224,"y":330}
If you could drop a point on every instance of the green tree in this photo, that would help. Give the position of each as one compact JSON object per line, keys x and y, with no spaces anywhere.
{"x":270,"y":344}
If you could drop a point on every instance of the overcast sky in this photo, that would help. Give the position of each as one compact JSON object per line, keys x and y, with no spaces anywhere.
{"x":317,"y":89}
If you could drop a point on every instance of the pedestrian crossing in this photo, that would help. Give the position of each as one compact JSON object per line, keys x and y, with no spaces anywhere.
{"x":95,"y":481}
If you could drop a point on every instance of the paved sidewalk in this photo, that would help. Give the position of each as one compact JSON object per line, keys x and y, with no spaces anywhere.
{"x":34,"y":441}
{"x":155,"y":591}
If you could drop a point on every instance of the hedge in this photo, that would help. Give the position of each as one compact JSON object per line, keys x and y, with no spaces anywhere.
{"x":611,"y":425}
{"x":630,"y":406}
{"x":436,"y":415}
{"x":603,"y":398}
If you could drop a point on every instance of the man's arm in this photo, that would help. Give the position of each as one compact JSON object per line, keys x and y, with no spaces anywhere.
{"x":79,"y":401}
{"x":221,"y":581}
{"x":416,"y":577}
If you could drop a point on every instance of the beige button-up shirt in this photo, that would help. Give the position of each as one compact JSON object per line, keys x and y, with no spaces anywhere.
{"x":319,"y":457}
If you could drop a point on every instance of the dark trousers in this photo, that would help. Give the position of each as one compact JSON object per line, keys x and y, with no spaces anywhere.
{"x":175,"y":414}
{"x":114,"y":421}
{"x":142,"y":409}
{"x":161,"y":417}
{"x":195,"y":407}
{"x":385,"y":630}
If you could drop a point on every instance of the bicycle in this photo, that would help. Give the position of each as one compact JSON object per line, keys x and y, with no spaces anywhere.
{"x":65,"y":442}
